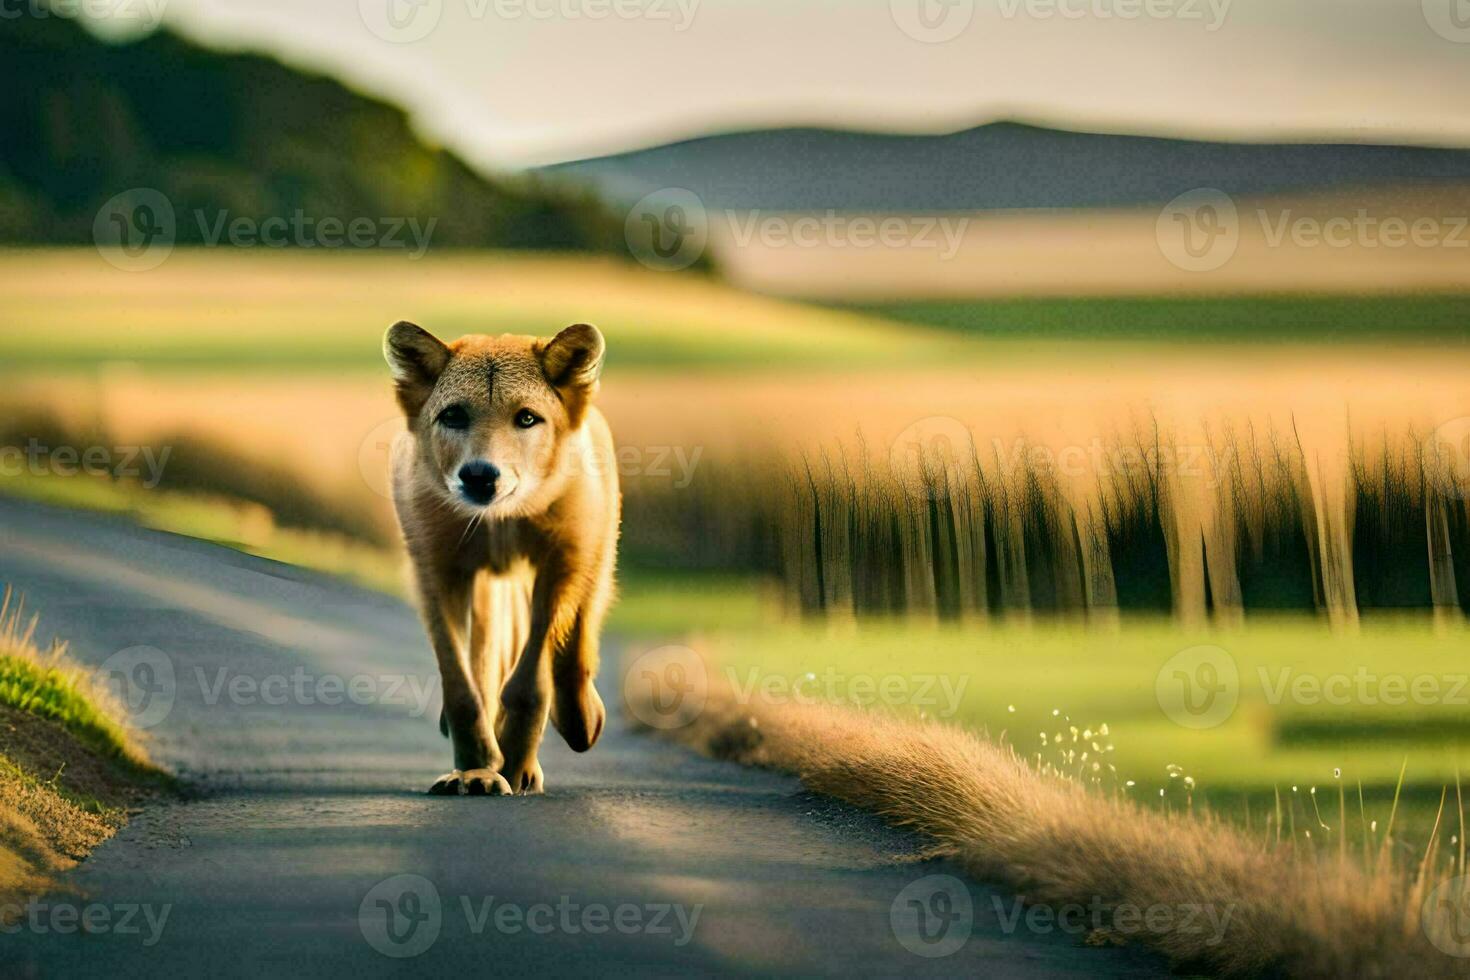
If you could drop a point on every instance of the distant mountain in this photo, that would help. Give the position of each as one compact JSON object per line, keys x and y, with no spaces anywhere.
{"x":238,"y":135}
{"x":998,"y":166}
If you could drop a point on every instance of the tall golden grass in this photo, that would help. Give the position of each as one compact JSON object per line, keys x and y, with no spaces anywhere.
{"x":1307,"y":488}
{"x":1249,"y":526}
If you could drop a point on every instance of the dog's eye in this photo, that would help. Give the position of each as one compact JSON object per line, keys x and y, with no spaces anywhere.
{"x":526,"y":418}
{"x":454,"y":417}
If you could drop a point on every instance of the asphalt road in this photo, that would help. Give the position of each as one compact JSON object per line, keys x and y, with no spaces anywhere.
{"x":297,"y":711}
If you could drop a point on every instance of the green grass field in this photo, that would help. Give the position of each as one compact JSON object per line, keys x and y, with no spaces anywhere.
{"x":68,"y":310}
{"x":1409,"y":318}
{"x":1298,"y":720}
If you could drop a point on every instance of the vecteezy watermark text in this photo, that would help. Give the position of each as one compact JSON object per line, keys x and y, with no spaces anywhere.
{"x":407,"y":21}
{"x":147,"y":683}
{"x":1122,"y":918}
{"x":670,"y":229}
{"x":402,"y":917}
{"x":137,"y":230}
{"x":36,"y":458}
{"x":834,"y":229}
{"x":1200,"y":230}
{"x":144,"y":13}
{"x":40,"y":917}
{"x":668,"y":687}
{"x":1200,"y":687}
{"x":939,"y":692}
{"x":301,"y":687}
{"x":301,"y":230}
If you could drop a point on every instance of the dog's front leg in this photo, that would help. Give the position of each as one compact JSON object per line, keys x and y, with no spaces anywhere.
{"x":525,"y":701}
{"x":477,"y":757}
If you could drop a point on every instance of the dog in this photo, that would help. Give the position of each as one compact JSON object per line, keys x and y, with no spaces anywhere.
{"x":507,"y":496}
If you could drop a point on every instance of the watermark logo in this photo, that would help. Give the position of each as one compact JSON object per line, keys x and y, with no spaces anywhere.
{"x":1198,"y":687}
{"x":933,"y":917}
{"x":143,"y":679}
{"x":666,"y":688}
{"x":1447,"y":456}
{"x":932,"y":456}
{"x":300,"y":687}
{"x":1445,"y":916}
{"x":1450,"y":19}
{"x":375,"y":452}
{"x":932,"y":21}
{"x":1199,"y":230}
{"x":667,"y":230}
{"x":401,"y":21}
{"x":135,"y":230}
{"x":401,"y":916}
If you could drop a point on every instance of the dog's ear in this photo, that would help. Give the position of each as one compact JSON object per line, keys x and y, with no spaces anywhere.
{"x":417,"y":358}
{"x":573,"y":359}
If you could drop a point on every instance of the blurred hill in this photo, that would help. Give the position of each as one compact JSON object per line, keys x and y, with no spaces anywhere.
{"x":84,"y":120}
{"x":994,"y":167}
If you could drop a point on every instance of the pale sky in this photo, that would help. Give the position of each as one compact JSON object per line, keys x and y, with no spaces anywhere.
{"x":514,"y":83}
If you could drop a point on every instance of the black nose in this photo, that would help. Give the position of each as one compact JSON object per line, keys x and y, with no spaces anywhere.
{"x":477,"y":481}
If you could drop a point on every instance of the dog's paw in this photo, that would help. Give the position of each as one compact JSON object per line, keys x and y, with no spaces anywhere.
{"x":579,"y":716}
{"x":470,"y":782}
{"x":525,"y":780}
{"x":484,"y":782}
{"x":447,"y":784}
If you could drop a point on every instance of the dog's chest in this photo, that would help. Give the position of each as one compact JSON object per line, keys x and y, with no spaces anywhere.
{"x":498,"y":546}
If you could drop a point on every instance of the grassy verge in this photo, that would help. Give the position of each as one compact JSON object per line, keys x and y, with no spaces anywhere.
{"x":1208,"y":896}
{"x":69,"y":771}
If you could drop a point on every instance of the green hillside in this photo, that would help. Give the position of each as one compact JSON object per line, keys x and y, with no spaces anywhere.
{"x":238,"y":136}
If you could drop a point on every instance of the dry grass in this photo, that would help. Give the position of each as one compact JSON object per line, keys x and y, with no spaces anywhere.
{"x":1292,"y":912}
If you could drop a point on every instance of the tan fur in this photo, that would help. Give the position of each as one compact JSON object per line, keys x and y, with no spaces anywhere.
{"x":513,"y":593}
